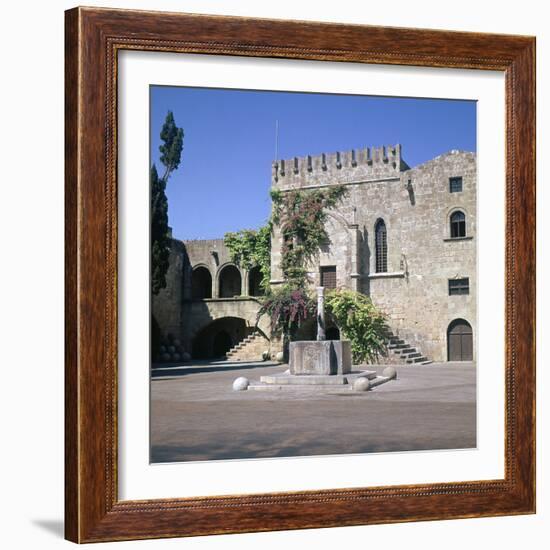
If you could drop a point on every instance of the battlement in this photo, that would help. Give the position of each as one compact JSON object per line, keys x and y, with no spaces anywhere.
{"x":340,"y":167}
{"x":212,"y":243}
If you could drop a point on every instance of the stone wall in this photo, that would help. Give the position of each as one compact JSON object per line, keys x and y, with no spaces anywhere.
{"x":167,"y":305}
{"x":180,"y":315}
{"x":415,"y":205}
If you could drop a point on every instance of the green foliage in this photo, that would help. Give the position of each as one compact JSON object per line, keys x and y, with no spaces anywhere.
{"x":287,"y":308}
{"x":302,"y":216}
{"x":160,"y":242}
{"x":250,"y":248}
{"x":360,"y":322}
{"x":172,"y":137}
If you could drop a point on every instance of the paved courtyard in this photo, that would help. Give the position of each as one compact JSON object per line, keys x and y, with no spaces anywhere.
{"x":195,"y":414}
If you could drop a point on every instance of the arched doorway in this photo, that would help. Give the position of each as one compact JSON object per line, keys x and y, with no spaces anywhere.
{"x":230,"y":282}
{"x":222,"y":343}
{"x":218,"y":337}
{"x":201,"y":283}
{"x":332,"y":333}
{"x":254,"y":282}
{"x":460,"y":345}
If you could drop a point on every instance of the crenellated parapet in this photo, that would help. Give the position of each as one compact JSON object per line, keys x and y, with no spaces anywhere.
{"x":352,"y":166}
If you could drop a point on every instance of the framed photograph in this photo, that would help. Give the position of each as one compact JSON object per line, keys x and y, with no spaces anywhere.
{"x":300,"y":275}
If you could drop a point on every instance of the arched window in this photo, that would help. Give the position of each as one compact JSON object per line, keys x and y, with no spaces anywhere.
{"x":230,"y":282}
{"x":381,"y":246}
{"x":201,"y":283}
{"x":458,"y":225}
{"x":254,"y":282}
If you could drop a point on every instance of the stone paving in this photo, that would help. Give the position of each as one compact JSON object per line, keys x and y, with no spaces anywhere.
{"x":195,"y":414}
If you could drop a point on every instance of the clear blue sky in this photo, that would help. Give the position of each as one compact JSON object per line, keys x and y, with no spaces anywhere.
{"x":224,"y":177}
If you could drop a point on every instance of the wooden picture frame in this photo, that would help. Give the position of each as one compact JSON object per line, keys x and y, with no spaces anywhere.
{"x":93,"y":511}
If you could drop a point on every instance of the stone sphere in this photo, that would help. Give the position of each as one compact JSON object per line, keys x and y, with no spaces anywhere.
{"x":162,"y":349}
{"x":171,"y":349}
{"x":361,"y":384}
{"x":266,"y":355}
{"x":389,"y":372}
{"x":165,"y":357}
{"x":177,"y":342}
{"x":279,"y":357}
{"x":240,"y":383}
{"x":176,"y":357}
{"x":186,"y":356}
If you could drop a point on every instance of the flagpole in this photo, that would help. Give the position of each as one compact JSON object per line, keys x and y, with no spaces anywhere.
{"x":276,"y":139}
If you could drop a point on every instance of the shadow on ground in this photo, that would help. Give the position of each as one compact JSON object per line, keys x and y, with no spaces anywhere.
{"x":182,"y":370}
{"x":53,"y":526}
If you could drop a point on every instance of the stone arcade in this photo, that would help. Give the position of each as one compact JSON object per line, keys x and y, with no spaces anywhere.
{"x":404,"y":236}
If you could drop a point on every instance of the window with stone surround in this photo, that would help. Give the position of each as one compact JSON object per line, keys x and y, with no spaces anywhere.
{"x":328,"y":276}
{"x":455,"y":184}
{"x":459,"y":286}
{"x":381,"y":246}
{"x":458,"y":225}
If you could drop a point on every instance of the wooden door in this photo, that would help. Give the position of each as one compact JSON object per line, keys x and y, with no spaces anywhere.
{"x":460,"y":341}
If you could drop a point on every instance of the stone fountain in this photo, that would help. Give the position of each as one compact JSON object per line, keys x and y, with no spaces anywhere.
{"x":319,"y":364}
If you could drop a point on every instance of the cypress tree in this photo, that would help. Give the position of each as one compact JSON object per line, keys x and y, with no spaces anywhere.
{"x":173,"y":144}
{"x":170,"y":150}
{"x":160,"y":241}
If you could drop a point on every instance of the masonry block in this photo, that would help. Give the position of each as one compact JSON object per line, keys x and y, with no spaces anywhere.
{"x":320,"y":357}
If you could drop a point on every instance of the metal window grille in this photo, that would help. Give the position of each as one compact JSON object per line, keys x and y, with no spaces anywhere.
{"x":455,"y":185}
{"x":458,"y":225}
{"x":381,"y":246}
{"x":328,"y":276}
{"x":459,"y":286}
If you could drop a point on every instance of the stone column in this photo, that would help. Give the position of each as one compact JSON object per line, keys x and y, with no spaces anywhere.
{"x":245,"y":291}
{"x":321,"y":313}
{"x":276,"y":277}
{"x":215,"y":285}
{"x":354,"y":246}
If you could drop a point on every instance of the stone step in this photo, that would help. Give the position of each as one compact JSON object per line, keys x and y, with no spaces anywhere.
{"x":398,"y":346}
{"x":417,"y":360}
{"x":249,"y":348}
{"x":334,"y":388}
{"x":404,"y":351}
{"x":246,"y":340}
{"x":394,"y":341}
{"x":315,"y":379}
{"x":428,"y":362}
{"x":295,"y":388}
{"x":245,"y":348}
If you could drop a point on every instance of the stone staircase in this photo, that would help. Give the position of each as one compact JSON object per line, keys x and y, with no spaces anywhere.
{"x":250,"y":348}
{"x":405,"y":353}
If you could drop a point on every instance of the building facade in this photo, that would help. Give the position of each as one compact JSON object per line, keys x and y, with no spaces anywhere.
{"x":404,"y":236}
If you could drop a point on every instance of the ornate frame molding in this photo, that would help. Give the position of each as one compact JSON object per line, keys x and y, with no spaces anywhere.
{"x":93,"y":38}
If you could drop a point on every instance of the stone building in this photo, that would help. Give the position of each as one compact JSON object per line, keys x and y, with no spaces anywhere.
{"x":404,"y":236}
{"x":209,"y":304}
